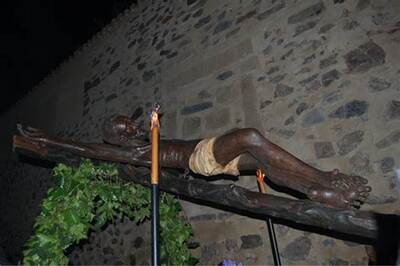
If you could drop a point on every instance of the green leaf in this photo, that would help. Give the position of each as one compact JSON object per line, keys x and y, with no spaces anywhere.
{"x":71,"y":217}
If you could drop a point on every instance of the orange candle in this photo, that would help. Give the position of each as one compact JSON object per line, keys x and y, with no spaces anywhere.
{"x":155,"y":133}
{"x":260,"y":180}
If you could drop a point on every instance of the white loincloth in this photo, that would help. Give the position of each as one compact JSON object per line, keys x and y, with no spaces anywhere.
{"x":202,"y":160}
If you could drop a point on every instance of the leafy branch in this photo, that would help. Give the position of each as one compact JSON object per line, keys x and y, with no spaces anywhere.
{"x":87,"y":198}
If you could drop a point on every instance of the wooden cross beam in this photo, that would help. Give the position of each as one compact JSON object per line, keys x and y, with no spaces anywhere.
{"x":352,"y":222}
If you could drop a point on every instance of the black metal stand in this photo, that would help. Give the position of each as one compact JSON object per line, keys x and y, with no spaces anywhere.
{"x":274,"y":243}
{"x":155,"y":225}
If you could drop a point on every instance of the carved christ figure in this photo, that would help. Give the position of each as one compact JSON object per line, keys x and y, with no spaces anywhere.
{"x":240,"y":150}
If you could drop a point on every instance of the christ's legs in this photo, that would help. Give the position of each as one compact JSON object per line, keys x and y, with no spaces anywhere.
{"x":250,"y":140}
{"x":285,"y":169}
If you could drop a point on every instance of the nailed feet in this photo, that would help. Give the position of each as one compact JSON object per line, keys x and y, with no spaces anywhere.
{"x":340,"y":190}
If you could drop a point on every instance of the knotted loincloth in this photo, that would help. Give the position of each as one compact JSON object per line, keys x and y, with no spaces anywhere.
{"x":202,"y":160}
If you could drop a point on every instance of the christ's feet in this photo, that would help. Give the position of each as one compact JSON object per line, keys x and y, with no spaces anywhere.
{"x":340,"y":190}
{"x":342,"y":181}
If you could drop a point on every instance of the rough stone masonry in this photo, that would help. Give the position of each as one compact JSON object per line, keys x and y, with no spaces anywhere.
{"x":319,"y":78}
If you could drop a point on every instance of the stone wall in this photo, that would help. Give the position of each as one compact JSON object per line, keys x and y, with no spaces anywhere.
{"x":317,"y":77}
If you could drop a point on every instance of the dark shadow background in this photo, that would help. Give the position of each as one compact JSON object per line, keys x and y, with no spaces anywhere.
{"x":37,"y":35}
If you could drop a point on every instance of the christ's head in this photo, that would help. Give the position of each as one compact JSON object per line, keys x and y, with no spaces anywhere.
{"x":123,"y":131}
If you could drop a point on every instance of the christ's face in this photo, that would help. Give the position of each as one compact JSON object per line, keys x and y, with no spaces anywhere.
{"x":127,"y":129}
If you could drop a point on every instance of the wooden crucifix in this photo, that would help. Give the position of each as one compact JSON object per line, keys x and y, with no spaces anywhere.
{"x":333,"y":194}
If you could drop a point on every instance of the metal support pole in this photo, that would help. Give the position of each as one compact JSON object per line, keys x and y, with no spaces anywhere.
{"x":270,"y":225}
{"x":155,"y":225}
{"x":155,"y":198}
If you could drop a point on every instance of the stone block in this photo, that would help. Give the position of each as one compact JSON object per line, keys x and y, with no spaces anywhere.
{"x":329,"y":77}
{"x":202,"y":21}
{"x":363,"y":4}
{"x":277,"y":79}
{"x":264,"y":104}
{"x":204,"y":94}
{"x":198,"y":13}
{"x":91,"y":84}
{"x":328,"y":243}
{"x":352,"y":109}
{"x":191,"y":2}
{"x":313,"y":117}
{"x":285,"y":133}
{"x":246,"y":16}
{"x":298,"y":249}
{"x":365,"y":57}
{"x":282,"y":90}
{"x":114,"y":67}
{"x":289,"y":121}
{"x":350,"y":141}
{"x":378,"y":84}
{"x":111,"y":97}
{"x":331,"y":97}
{"x":225,"y":75}
{"x":187,"y":110}
{"x":222,"y":26}
{"x":267,"y":13}
{"x":273,"y":70}
{"x":387,"y":164}
{"x":301,"y":108}
{"x":311,"y":83}
{"x":360,"y":162}
{"x":309,"y":59}
{"x":281,"y":230}
{"x":307,"y":13}
{"x":148,"y":75}
{"x":324,"y":149}
{"x":209,"y":252}
{"x":392,"y":110}
{"x":326,"y":28}
{"x":351,"y":25}
{"x":389,"y":140}
{"x":329,"y":61}
{"x":231,"y":245}
{"x":304,"y":27}
{"x":232,"y":33}
{"x":251,"y":241}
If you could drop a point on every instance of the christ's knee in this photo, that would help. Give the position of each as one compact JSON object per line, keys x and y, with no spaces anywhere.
{"x":252,"y":137}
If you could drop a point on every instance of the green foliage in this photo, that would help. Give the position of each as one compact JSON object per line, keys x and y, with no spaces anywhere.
{"x":87,"y":198}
